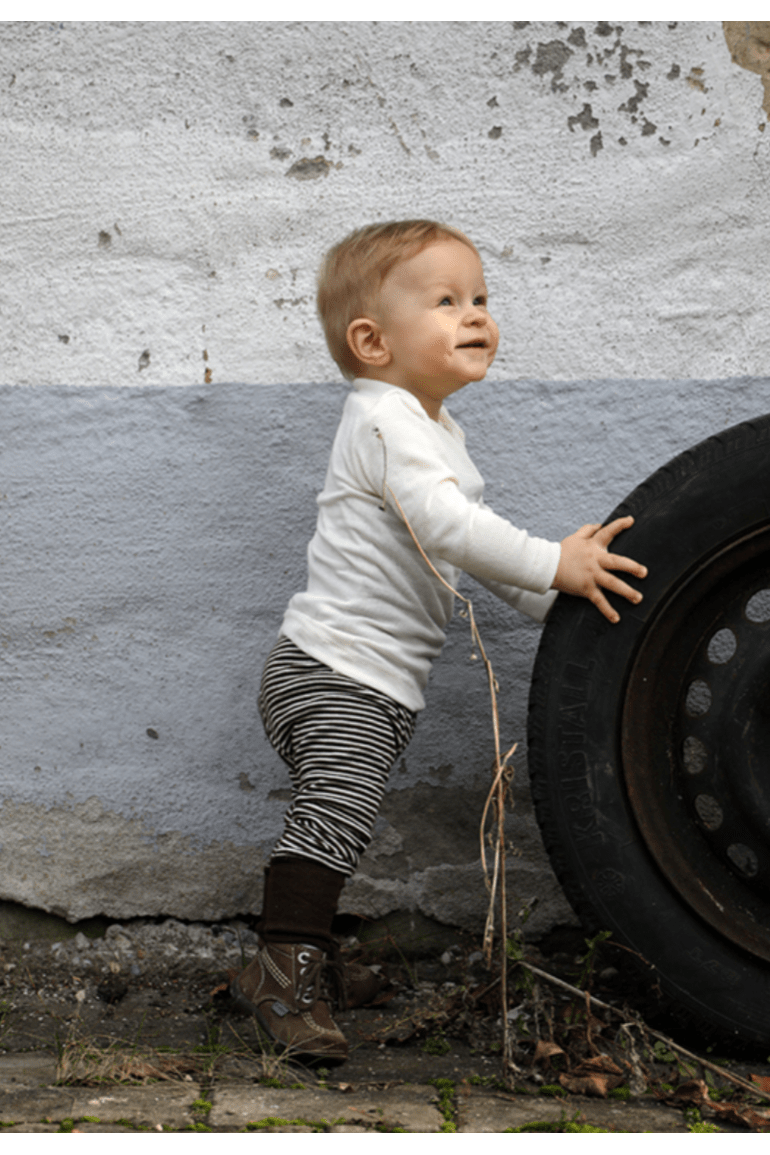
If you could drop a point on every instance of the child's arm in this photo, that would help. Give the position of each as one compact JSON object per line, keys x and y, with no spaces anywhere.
{"x":585,"y":564}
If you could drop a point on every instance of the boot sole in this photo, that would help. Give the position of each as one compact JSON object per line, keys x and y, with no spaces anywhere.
{"x":296,"y":1050}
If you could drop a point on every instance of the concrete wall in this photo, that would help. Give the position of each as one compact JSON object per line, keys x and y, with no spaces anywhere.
{"x":167,"y":190}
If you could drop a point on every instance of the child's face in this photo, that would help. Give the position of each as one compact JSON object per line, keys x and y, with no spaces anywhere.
{"x":435,"y":334}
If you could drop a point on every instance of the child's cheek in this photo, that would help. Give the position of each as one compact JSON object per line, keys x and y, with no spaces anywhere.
{"x":445,"y":340}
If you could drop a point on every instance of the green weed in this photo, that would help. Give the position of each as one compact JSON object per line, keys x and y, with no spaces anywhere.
{"x":588,"y":960}
{"x":696,"y":1124}
{"x":446,"y":1103}
{"x":436,"y":1045}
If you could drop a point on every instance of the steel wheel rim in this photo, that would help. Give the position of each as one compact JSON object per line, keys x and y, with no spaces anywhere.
{"x":696,"y":740}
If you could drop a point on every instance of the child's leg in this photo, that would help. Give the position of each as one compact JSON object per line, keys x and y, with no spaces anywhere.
{"x":281,"y":986}
{"x":339,"y":740}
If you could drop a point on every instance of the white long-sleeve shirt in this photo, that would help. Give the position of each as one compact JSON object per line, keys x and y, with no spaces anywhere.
{"x":373,"y":610}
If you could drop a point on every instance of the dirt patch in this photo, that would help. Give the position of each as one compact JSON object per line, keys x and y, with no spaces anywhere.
{"x":147,"y":1001}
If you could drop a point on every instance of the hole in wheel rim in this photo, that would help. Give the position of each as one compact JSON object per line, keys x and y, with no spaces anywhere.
{"x":722,"y":647}
{"x":695,"y":729}
{"x":758,"y":606}
{"x":694,"y":755}
{"x":698,"y":700}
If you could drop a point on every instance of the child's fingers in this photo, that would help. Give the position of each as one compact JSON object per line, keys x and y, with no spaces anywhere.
{"x":598,"y":599}
{"x":606,"y":533}
{"x":627,"y":564}
{"x":617,"y":586}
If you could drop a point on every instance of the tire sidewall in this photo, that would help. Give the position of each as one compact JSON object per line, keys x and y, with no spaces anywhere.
{"x":683,"y":514}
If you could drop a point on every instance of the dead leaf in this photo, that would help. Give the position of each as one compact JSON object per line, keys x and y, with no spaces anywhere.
{"x":595,"y":1085}
{"x":545,"y":1051}
{"x":596,"y":1076}
{"x":694,"y":1093}
{"x":600,"y":1063}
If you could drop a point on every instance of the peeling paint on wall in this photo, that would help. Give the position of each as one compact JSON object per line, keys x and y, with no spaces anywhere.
{"x":749,"y":44}
{"x":234,"y":147}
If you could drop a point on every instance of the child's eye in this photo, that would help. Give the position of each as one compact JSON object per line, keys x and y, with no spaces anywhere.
{"x":445,"y":301}
{"x":482,"y":300}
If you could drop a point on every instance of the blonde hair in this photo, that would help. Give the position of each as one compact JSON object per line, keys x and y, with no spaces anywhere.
{"x":354,"y":269}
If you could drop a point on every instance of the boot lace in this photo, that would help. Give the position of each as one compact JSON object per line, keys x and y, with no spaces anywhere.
{"x":309,"y":973}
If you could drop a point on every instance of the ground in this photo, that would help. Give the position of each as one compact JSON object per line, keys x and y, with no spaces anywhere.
{"x":145,"y":1003}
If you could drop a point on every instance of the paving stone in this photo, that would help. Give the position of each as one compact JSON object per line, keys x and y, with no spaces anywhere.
{"x":31,"y":1105}
{"x":169,"y":1104}
{"x":32,"y":1068}
{"x":102,"y":1129}
{"x":493,"y":1113}
{"x":32,"y":1129}
{"x":289,"y":1129}
{"x":412,"y":1108}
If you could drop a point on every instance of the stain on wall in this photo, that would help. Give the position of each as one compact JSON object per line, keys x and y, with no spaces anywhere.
{"x":749,"y":44}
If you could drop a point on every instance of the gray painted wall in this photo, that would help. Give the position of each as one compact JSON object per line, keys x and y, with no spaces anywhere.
{"x":151,"y":538}
{"x":167,"y":191}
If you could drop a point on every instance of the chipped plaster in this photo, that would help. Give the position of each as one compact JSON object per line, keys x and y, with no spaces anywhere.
{"x":164,"y":184}
{"x":749,"y":44}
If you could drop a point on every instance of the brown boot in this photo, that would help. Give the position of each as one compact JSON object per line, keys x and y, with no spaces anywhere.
{"x":351,"y":984}
{"x":281,"y":987}
{"x":362,"y":985}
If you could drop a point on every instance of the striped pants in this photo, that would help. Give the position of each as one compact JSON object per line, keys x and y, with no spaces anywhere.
{"x":339,"y":739}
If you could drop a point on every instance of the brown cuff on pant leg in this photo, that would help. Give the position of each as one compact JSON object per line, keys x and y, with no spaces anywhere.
{"x":300,"y":901}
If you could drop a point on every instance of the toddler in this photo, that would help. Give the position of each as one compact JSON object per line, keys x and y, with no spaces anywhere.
{"x":404,"y":309}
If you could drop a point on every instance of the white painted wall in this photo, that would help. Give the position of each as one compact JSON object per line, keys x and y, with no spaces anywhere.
{"x":167,"y":191}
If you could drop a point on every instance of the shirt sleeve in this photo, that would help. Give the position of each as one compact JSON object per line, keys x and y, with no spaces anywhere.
{"x":405,"y":461}
{"x":535,"y":606}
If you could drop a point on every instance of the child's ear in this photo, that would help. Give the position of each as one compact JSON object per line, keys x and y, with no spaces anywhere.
{"x":367,"y":342}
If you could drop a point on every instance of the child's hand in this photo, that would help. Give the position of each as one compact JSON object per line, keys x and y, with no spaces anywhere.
{"x":584,"y":568}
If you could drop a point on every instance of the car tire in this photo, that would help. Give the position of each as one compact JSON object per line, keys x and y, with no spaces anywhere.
{"x":649,"y":740}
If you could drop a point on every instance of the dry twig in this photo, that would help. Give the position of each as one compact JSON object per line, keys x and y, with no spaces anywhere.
{"x":502,"y":775}
{"x":589,"y":998}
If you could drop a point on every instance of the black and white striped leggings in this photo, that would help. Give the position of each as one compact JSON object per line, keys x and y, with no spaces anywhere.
{"x":339,"y":739}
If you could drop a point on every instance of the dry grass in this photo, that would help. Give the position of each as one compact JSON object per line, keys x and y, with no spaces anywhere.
{"x":86,"y":1063}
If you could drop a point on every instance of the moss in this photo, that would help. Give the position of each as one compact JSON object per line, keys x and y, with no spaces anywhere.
{"x":446,"y":1104}
{"x":436,"y":1045}
{"x":562,"y":1126}
{"x":552,"y":1089}
{"x":275,"y":1121}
